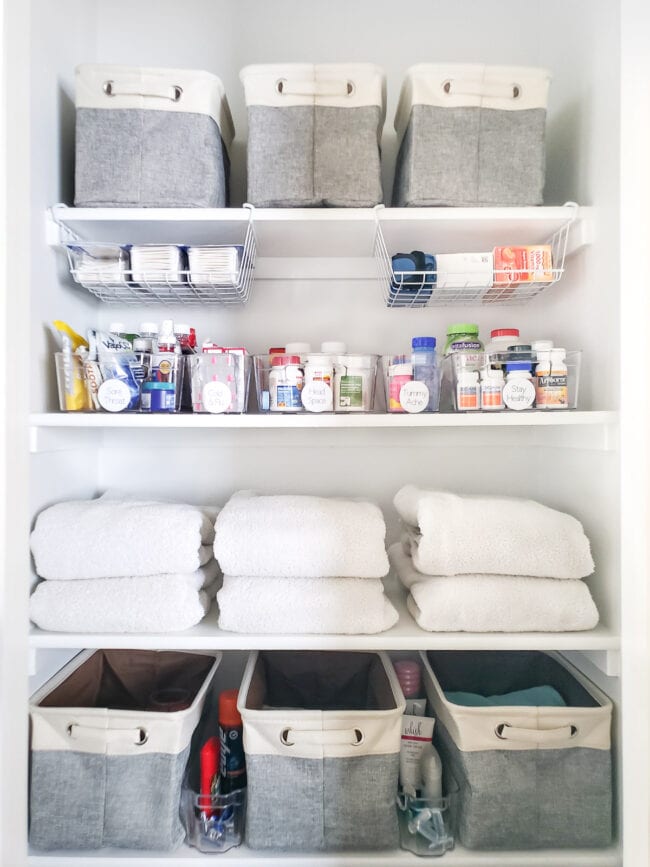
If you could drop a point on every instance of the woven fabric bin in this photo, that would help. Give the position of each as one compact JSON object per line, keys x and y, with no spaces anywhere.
{"x":471,"y":135}
{"x":314,"y":133}
{"x":529,"y":777}
{"x":322,"y":736}
{"x":152,"y":138}
{"x":105,"y":769}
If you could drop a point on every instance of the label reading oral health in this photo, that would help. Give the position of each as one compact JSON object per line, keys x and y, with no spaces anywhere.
{"x":414,"y":396}
{"x":114,"y":395}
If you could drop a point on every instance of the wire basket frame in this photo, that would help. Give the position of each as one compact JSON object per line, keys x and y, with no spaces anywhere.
{"x":164,"y":287}
{"x":421,"y":289}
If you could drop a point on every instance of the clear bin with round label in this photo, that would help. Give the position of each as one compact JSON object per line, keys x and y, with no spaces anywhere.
{"x":410,"y":387}
{"x":220,"y":382}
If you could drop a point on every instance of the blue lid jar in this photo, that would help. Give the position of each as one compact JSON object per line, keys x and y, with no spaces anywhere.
{"x":519,"y":365}
{"x":426,"y":343}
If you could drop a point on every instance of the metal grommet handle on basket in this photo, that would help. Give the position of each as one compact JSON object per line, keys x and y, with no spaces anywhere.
{"x":290,"y":737}
{"x":136,"y":736}
{"x":506,"y":91}
{"x":172,"y":92}
{"x":507,"y":732}
{"x":324,"y":88}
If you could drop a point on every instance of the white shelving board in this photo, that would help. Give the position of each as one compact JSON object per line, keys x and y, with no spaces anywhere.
{"x":189,"y":421}
{"x":322,"y":232}
{"x":405,"y":635}
{"x":244,"y":857}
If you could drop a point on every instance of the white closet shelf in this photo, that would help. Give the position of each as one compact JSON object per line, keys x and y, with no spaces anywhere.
{"x":322,"y":232}
{"x":162,"y":421}
{"x":405,"y":635}
{"x":244,"y":857}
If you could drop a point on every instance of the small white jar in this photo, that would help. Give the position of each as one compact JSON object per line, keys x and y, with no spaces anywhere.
{"x":519,"y":391}
{"x":301,"y":349}
{"x":492,"y":389}
{"x":467,"y":391}
{"x":285,"y":384}
{"x":354,"y":382}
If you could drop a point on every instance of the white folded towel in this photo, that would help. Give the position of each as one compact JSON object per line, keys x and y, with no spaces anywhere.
{"x":454,"y":535}
{"x":403,"y":566}
{"x":157,"y":603}
{"x":341,"y":606}
{"x":501,"y":603}
{"x":112,"y":538}
{"x":300,"y":537}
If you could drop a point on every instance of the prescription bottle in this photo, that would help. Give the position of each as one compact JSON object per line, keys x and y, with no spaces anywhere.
{"x":519,"y":391}
{"x":467,"y":390}
{"x":492,"y":389}
{"x":285,"y":384}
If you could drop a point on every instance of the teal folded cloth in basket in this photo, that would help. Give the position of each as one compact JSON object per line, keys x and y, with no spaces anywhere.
{"x":535,"y":696}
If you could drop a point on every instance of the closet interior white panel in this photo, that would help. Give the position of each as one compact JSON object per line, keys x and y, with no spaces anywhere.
{"x":575,"y":468}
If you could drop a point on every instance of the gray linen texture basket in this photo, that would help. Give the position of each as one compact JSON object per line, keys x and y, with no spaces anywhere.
{"x":314,"y":134}
{"x":151,"y":138}
{"x":322,"y":736}
{"x":105,"y":771}
{"x":528,"y":777}
{"x":471,"y":135}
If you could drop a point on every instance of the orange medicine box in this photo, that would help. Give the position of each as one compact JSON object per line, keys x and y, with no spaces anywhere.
{"x":531,"y":264}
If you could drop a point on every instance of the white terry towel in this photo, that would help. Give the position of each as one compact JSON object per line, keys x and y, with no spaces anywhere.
{"x":112,"y":538}
{"x":501,"y":603}
{"x":156,"y":603}
{"x":454,"y":535}
{"x":300,"y":537}
{"x":343,"y":606}
{"x":403,"y":566}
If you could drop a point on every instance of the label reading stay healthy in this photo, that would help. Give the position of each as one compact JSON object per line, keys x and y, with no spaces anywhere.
{"x":317,"y":397}
{"x":114,"y":395}
{"x":414,"y":396}
{"x":351,"y":392}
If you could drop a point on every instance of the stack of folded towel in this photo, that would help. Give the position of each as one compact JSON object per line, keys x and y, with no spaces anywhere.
{"x":297,"y":564}
{"x":492,"y":564}
{"x":122,"y":565}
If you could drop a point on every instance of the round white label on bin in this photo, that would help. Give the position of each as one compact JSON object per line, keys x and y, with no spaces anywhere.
{"x":414,"y":396}
{"x":114,"y":395}
{"x":317,"y":397}
{"x":216,"y":397}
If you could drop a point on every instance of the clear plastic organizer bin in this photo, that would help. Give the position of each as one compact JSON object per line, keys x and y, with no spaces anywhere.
{"x":409,"y":386}
{"x":213,"y":823}
{"x":137,"y":382}
{"x":344,"y":383}
{"x":425,"y":824}
{"x":511,"y":381}
{"x":220,"y":382}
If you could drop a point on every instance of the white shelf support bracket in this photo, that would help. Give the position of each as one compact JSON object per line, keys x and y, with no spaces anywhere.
{"x":607,"y":661}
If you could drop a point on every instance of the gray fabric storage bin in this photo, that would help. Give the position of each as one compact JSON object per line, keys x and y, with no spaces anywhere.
{"x":471,"y":135}
{"x":322,"y":735}
{"x":529,"y":777}
{"x":105,"y":771}
{"x":314,"y":133}
{"x":153,"y":138}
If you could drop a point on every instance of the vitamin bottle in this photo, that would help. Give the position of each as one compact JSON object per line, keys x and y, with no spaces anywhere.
{"x":467,"y":390}
{"x":519,"y":391}
{"x":285,"y":384}
{"x":400,"y":371}
{"x":425,"y":368}
{"x":492,"y":389}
